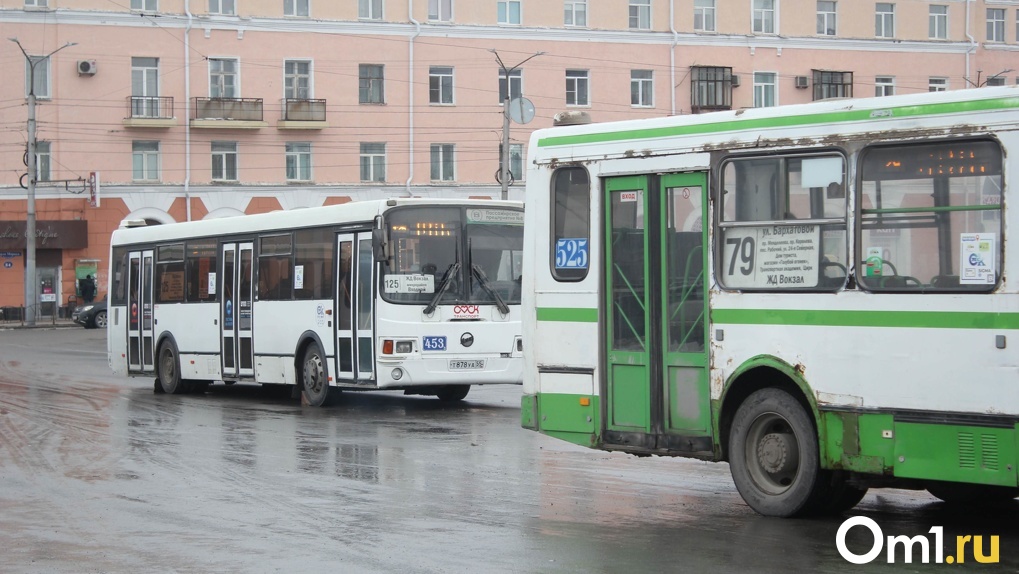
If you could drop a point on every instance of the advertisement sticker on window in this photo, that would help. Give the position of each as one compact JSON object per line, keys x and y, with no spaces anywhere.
{"x":977,"y":252}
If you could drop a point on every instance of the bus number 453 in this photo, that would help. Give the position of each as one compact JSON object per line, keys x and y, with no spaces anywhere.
{"x":743,"y":247}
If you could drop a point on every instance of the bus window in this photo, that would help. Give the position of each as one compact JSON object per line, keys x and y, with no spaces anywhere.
{"x":170,"y":273}
{"x":783,"y":223}
{"x":200,"y":260}
{"x":275,"y":282}
{"x":930,"y":217}
{"x":118,"y":294}
{"x":571,"y":224}
{"x":313,"y":255}
{"x":496,"y":244}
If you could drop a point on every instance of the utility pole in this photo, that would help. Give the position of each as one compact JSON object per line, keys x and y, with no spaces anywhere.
{"x":504,"y":171}
{"x":31,"y":295}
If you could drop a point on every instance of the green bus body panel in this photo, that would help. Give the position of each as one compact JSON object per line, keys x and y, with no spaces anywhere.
{"x":845,"y":116}
{"x":855,"y":443}
{"x":529,"y":411}
{"x":896,"y":319}
{"x":563,"y":417}
{"x":568,"y":314}
{"x":979,"y":455}
{"x":628,"y":390}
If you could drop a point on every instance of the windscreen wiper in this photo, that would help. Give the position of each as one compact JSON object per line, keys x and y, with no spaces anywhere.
{"x":483,"y":279}
{"x":451,"y":272}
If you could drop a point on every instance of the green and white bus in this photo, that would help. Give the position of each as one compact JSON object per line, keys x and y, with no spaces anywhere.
{"x":818,"y":294}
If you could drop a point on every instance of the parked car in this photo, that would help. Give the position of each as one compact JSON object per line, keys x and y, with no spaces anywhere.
{"x":91,"y":315}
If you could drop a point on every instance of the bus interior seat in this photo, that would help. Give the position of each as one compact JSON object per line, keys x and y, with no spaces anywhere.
{"x":945,"y":281}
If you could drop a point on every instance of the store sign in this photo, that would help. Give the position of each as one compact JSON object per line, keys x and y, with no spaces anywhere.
{"x":48,"y":235}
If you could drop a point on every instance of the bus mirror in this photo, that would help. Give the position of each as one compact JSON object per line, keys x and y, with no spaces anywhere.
{"x":379,"y":244}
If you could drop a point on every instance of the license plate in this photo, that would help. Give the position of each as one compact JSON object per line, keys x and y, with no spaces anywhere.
{"x":433,"y":343}
{"x":470,"y":365}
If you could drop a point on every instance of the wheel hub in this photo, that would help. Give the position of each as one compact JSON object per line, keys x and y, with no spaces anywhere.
{"x":776,"y":453}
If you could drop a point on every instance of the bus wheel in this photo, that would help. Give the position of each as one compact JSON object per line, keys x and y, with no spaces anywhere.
{"x":315,"y":380}
{"x":453,"y":393}
{"x":169,"y":369}
{"x":773,"y":455}
{"x":971,"y":494}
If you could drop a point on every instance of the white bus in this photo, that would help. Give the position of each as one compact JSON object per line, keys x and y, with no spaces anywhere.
{"x":821,"y":294}
{"x":410,"y":294}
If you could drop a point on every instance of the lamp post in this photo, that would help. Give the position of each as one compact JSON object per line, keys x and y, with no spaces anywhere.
{"x":30,"y":279}
{"x":505,"y":170}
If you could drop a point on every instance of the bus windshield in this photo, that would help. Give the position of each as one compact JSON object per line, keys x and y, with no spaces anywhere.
{"x":449,"y":255}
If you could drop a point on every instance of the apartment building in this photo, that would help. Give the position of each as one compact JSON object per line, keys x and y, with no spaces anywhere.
{"x":190,"y":109}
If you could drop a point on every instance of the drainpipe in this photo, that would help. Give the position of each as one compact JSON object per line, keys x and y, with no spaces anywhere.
{"x":672,"y":52}
{"x":187,"y":109}
{"x":410,"y":95}
{"x":972,"y":42}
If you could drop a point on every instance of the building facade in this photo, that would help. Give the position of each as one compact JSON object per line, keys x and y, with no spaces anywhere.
{"x":175,"y":110}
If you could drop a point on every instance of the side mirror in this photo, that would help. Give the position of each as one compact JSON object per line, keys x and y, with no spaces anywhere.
{"x":379,"y":250}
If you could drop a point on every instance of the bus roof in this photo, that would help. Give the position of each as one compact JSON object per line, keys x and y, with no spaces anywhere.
{"x":937,"y":110}
{"x":353,"y":212}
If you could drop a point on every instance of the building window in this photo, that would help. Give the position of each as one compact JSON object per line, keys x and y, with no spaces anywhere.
{"x":884,"y":20}
{"x":43,"y":161}
{"x":39,"y":81}
{"x":224,"y":161}
{"x":296,"y":8}
{"x":710,"y":88}
{"x":884,"y":86}
{"x":832,"y":84}
{"x":371,"y":79}
{"x":297,"y":79}
{"x":298,"y":161}
{"x":575,"y":13}
{"x":224,"y":7}
{"x":995,"y":81}
{"x":937,"y":84}
{"x":440,"y":85}
{"x":640,"y":14}
{"x":995,"y":25}
{"x":937,"y":22}
{"x":223,"y":78}
{"x":516,"y":85}
{"x":764,"y":16}
{"x":442,"y":162}
{"x":509,"y":12}
{"x":145,"y":161}
{"x":577,"y":84}
{"x":704,"y":15}
{"x":373,"y":162}
{"x":765,"y":89}
{"x":36,"y":3}
{"x":145,"y":87}
{"x":369,"y":9}
{"x":145,"y":5}
{"x":642,"y":88}
{"x":826,"y":18}
{"x":440,"y":10}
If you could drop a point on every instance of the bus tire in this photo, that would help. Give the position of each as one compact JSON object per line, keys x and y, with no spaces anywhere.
{"x":958,"y":493}
{"x":168,"y":369}
{"x":453,"y":393}
{"x":315,"y":378}
{"x":842,"y":496}
{"x":774,"y":458}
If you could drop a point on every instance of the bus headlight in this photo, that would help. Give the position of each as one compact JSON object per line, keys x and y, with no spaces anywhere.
{"x":397,"y":374}
{"x":404,"y":347}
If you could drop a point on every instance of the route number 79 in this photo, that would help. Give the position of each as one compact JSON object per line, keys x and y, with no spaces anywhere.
{"x":744,"y":249}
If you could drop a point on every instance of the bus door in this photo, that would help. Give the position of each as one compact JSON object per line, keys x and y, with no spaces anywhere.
{"x":139,"y":312}
{"x":657,"y":392}
{"x":355,"y":323}
{"x":235,"y":310}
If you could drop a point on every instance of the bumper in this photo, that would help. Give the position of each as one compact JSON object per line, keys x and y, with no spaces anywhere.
{"x":436,"y":371}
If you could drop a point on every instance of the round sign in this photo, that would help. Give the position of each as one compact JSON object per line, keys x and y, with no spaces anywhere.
{"x":8,"y":264}
{"x":521,"y":110}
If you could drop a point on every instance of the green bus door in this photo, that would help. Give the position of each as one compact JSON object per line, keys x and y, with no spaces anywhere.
{"x":657,"y":392}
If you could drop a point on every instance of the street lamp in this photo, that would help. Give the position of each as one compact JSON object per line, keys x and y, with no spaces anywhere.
{"x":30,"y":279}
{"x":505,"y":170}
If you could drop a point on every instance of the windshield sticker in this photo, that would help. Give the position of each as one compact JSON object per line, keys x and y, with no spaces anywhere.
{"x":409,"y":283}
{"x":773,"y":257}
{"x":497,"y":216}
{"x":977,"y":267}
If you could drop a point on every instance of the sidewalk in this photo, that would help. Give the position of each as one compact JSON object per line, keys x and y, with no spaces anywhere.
{"x":42,"y":323}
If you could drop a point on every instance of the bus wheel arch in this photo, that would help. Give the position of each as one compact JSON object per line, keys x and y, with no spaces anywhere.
{"x":312,"y":369}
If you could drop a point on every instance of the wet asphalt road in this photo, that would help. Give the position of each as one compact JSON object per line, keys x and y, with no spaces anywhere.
{"x":99,"y":474}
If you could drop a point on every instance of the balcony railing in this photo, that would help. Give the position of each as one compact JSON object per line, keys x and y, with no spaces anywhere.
{"x":304,"y":110}
{"x":150,"y":107}
{"x":232,"y":109}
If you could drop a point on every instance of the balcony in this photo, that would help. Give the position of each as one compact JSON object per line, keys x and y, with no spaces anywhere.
{"x":227,"y":113}
{"x":150,"y":112}
{"x":303,"y":114}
